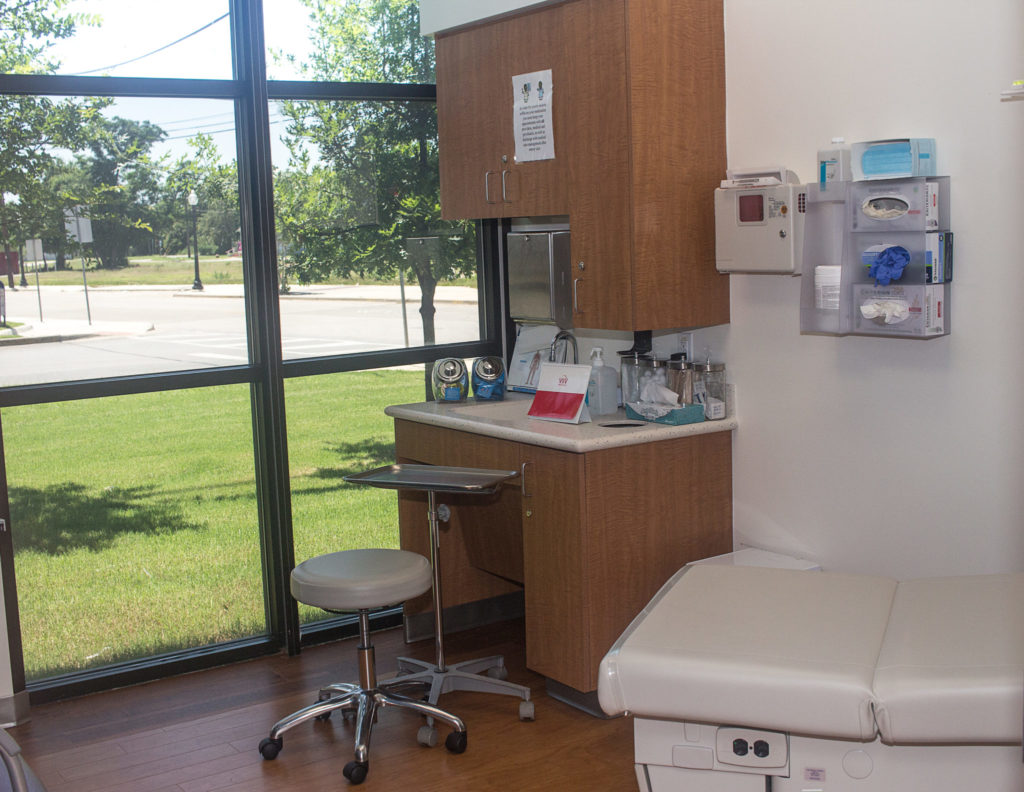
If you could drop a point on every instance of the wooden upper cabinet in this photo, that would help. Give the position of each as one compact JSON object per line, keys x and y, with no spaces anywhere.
{"x":480,"y":176}
{"x":639,"y":126}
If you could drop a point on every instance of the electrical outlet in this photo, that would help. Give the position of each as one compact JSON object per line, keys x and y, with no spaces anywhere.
{"x":686,"y":345}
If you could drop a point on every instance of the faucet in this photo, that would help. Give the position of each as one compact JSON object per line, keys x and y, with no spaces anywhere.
{"x":564,"y":335}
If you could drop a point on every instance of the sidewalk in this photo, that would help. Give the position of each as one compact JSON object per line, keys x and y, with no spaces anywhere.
{"x":66,"y":330}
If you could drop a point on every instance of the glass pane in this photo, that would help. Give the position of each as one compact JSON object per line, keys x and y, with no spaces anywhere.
{"x":141,"y":536}
{"x":106,"y":221}
{"x":118,"y":38}
{"x":347,"y":41}
{"x":365,"y":261}
{"x":329,"y":514}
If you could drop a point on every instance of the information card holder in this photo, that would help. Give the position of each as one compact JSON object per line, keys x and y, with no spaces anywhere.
{"x":561,"y":393}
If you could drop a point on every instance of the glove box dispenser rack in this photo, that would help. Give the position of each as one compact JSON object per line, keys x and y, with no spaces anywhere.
{"x":878,"y":258}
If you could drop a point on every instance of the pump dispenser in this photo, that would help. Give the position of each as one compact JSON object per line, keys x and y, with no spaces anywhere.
{"x":602,"y":385}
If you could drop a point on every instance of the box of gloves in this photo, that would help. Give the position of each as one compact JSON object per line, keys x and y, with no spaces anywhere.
{"x":918,"y":311}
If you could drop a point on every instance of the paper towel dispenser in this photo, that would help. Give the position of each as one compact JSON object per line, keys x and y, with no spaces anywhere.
{"x":539,"y":276}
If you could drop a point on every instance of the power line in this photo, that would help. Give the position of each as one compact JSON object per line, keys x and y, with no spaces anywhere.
{"x":158,"y":49}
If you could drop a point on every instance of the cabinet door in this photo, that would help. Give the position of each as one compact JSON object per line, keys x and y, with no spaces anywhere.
{"x":480,"y":176}
{"x":534,"y":42}
{"x":554,"y":554}
{"x":599,"y":169}
{"x":471,"y":123}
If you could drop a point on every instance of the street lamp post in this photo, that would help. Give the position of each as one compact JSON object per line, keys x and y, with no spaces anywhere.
{"x":193,"y":199}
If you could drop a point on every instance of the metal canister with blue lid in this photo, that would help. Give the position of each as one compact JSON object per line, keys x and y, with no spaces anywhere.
{"x":489,"y":379}
{"x":449,"y":380}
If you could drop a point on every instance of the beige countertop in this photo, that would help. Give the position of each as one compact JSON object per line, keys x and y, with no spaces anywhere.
{"x":508,"y":420}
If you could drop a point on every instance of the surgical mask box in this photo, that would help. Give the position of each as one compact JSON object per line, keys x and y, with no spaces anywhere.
{"x":893,"y":159}
{"x":759,"y":222}
{"x":901,"y":311}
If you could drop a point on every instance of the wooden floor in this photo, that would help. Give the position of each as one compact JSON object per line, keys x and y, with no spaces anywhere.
{"x":200,"y":732}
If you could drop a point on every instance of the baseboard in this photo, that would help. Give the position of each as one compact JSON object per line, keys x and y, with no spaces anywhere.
{"x":14,"y":709}
{"x":420,"y":626}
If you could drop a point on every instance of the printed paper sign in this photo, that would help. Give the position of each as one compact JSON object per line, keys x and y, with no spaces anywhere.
{"x":561,"y":393}
{"x":534,"y":135}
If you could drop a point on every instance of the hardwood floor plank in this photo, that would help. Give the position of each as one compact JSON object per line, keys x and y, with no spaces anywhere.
{"x":199,"y":732}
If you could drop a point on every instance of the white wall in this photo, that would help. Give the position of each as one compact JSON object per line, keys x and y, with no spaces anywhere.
{"x":438,"y":15}
{"x":881,"y":455}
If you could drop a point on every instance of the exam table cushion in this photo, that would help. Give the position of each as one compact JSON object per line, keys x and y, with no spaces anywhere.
{"x":952,"y":665}
{"x":769,"y":648}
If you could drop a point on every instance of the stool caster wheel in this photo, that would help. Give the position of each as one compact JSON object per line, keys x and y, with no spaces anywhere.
{"x":498,"y":672}
{"x":526,"y":711}
{"x":270,"y":747}
{"x":456,"y":742}
{"x":356,"y":772}
{"x":427,"y":736}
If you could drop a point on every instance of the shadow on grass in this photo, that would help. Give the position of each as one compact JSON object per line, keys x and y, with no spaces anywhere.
{"x":64,"y":517}
{"x":358,"y":457}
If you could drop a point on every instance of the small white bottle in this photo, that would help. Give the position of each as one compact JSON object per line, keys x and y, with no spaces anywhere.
{"x":602,"y":398}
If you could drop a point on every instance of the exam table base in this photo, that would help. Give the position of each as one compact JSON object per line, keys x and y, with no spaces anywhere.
{"x":827,"y":765}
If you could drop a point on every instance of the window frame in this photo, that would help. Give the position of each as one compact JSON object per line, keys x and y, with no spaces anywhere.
{"x":267,"y":370}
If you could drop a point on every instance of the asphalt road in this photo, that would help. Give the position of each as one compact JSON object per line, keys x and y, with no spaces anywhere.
{"x":157,"y":329}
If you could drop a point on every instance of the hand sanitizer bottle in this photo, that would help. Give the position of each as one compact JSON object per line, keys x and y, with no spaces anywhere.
{"x":602,"y":385}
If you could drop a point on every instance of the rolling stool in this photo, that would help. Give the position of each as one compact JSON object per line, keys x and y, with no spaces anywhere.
{"x":358,"y":580}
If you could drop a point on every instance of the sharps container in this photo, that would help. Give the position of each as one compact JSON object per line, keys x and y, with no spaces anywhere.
{"x":709,"y":389}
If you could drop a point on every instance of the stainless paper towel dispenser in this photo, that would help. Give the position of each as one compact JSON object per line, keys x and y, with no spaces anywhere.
{"x":540,"y":286}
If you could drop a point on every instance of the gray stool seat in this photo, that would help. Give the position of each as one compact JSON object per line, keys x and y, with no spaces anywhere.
{"x":351,"y":580}
{"x":359,"y":580}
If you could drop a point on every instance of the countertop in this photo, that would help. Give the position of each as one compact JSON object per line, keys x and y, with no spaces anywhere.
{"x":508,"y":420}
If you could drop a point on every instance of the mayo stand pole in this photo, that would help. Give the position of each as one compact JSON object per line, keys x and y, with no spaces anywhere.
{"x":466,"y":675}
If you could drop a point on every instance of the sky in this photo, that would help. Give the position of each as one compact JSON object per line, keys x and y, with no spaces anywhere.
{"x":133,"y":28}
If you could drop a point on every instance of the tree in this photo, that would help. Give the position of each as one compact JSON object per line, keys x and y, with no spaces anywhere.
{"x":32,"y":126}
{"x":216,"y":186}
{"x":362,"y":195}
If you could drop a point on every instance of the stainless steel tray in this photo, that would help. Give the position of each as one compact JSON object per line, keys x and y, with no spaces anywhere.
{"x":434,"y":478}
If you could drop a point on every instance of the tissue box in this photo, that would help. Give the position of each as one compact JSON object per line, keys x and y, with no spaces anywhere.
{"x":927,"y":310}
{"x":683,"y":414}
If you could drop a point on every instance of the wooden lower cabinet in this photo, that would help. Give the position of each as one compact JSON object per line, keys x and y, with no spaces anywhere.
{"x":591,"y":537}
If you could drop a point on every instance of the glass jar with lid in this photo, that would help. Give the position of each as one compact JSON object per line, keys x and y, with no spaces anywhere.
{"x":709,"y":388}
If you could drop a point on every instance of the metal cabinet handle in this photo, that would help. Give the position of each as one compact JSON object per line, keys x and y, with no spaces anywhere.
{"x":487,"y":186}
{"x":576,"y":295}
{"x":504,"y":186}
{"x":522,"y":480}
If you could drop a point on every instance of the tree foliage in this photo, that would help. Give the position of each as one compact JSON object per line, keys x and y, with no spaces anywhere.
{"x":362,"y":194}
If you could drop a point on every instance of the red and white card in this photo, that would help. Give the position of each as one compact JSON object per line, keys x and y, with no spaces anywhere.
{"x":561,"y":393}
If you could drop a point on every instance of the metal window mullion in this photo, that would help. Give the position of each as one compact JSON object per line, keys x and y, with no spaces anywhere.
{"x":263,"y":320}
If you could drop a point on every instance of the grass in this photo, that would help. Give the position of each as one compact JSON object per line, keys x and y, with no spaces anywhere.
{"x":179,"y":271}
{"x":134,"y":518}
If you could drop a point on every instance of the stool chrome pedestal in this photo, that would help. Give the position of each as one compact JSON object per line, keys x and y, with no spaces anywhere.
{"x":467,"y":675}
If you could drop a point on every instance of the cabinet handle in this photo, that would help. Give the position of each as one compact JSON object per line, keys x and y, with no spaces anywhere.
{"x":522,"y":480}
{"x":576,"y":295}
{"x":504,"y":190}
{"x":487,"y":186}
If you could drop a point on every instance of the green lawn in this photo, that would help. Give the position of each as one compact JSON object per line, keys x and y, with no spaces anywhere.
{"x":134,"y":518}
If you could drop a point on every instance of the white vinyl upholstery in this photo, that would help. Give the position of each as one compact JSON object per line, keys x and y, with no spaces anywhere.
{"x":351,"y":580}
{"x":772,"y":648}
{"x":937,"y":661}
{"x":952,"y":666}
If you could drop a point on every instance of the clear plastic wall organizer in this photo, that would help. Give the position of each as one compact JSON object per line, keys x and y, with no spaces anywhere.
{"x":878,"y":258}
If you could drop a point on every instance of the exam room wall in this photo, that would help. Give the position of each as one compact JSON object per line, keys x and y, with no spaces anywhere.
{"x":872,"y":455}
{"x":885,"y":456}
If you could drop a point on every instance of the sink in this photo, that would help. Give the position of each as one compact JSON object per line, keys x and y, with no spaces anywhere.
{"x":494,"y":410}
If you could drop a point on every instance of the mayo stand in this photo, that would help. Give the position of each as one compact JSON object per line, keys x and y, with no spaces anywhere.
{"x":466,"y":675}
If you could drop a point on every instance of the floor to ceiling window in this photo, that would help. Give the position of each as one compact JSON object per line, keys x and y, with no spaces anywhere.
{"x":224,"y":280}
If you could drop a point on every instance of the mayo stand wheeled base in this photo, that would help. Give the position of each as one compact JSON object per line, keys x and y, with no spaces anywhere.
{"x":467,"y":675}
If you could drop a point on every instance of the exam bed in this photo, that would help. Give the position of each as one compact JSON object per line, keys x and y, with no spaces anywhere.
{"x":751,"y":678}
